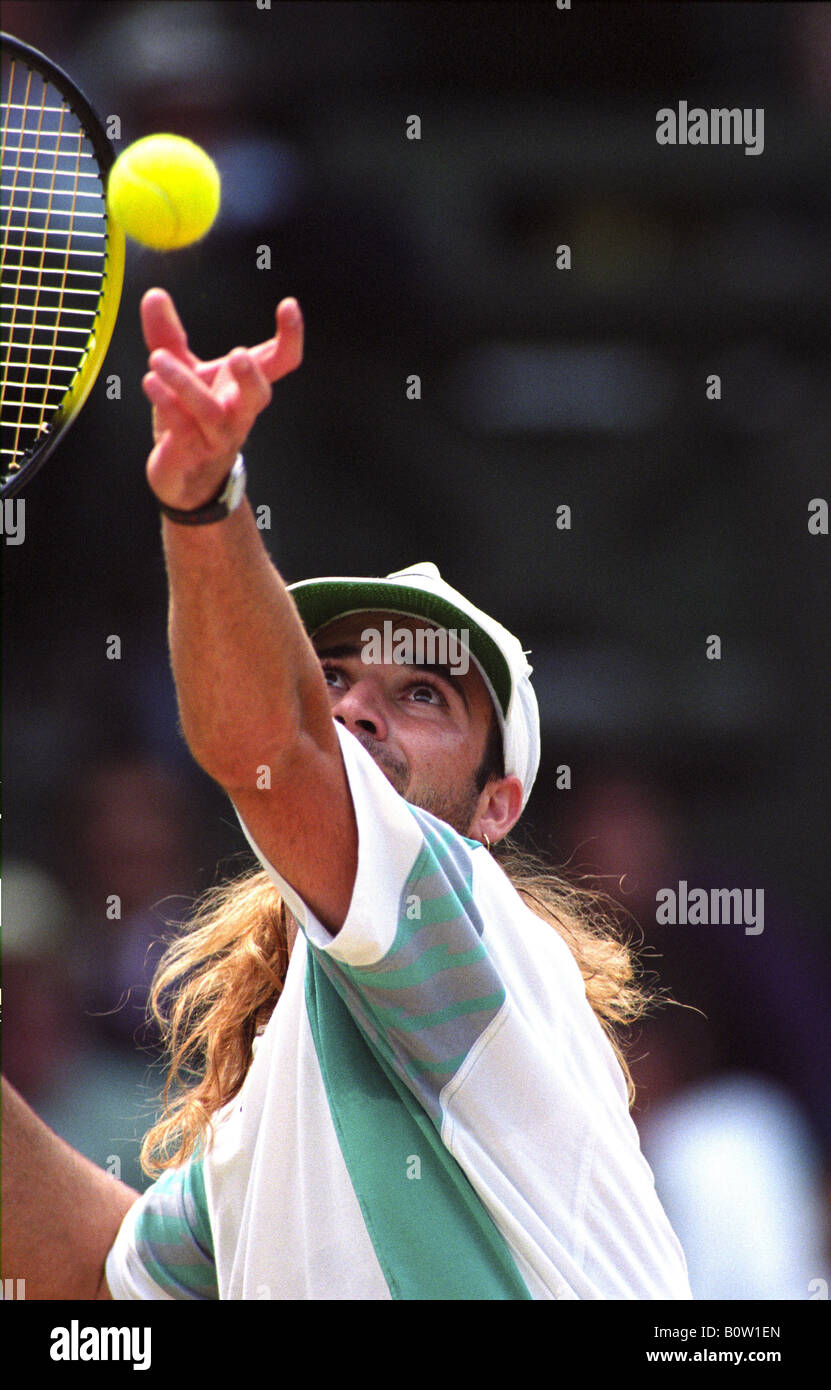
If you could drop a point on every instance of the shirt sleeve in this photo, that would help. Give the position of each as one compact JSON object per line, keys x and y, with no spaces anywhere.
{"x":409,"y":960}
{"x":164,"y":1248}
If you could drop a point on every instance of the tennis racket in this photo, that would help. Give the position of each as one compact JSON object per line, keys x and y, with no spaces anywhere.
{"x":61,"y":260}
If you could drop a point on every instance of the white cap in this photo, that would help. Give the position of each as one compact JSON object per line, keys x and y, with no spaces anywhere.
{"x":420,"y":592}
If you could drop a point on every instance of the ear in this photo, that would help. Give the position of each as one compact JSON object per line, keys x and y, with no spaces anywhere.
{"x":497,"y":811}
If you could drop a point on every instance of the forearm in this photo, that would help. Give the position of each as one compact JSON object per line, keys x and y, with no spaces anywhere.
{"x":247,"y":677}
{"x":61,"y":1213}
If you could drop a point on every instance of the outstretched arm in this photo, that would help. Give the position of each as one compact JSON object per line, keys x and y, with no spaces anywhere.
{"x":61,"y":1213}
{"x":252,"y":698}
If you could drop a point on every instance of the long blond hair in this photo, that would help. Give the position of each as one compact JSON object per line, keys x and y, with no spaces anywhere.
{"x":219,"y":981}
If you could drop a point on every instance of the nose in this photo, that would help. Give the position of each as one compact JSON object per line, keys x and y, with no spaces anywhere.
{"x":361,"y":707}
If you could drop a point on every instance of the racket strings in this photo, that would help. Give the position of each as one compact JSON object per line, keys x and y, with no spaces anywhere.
{"x":53,"y":255}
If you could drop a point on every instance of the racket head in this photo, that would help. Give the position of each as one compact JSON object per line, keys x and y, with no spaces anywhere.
{"x":61,"y":258}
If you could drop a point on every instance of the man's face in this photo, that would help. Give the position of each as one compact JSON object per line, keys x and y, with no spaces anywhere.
{"x":426,"y":726}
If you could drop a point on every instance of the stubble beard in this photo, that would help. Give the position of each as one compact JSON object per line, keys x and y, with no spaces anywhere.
{"x":457,"y":810}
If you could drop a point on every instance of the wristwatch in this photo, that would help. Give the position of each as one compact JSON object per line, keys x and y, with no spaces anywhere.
{"x":226,"y":500}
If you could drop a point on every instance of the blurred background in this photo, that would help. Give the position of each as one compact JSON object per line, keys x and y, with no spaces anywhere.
{"x":547,"y":378}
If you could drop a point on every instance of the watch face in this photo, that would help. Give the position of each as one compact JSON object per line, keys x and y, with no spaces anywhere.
{"x":235,"y":491}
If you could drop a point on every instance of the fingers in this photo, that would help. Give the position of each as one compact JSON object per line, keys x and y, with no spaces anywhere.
{"x":284,"y":352}
{"x":254,"y":391}
{"x":179,"y":469}
{"x":203,"y":411}
{"x":168,"y":416}
{"x":191,"y":395}
{"x":162,"y":327}
{"x":276,"y":357}
{"x":222,"y":412}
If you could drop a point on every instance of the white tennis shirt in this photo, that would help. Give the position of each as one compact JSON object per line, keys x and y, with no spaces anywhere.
{"x":432,"y":1112}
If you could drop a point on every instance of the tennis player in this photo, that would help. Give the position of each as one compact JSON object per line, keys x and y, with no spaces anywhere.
{"x":409,"y":1081}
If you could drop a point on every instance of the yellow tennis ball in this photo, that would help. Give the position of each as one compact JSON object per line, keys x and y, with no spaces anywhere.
{"x":164,"y":191}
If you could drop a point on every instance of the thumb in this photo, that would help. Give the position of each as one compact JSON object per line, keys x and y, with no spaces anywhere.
{"x":284,"y":352}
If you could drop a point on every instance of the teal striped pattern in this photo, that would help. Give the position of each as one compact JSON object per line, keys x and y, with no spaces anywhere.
{"x":423,"y":1007}
{"x":432,"y":1235}
{"x":173,"y":1234}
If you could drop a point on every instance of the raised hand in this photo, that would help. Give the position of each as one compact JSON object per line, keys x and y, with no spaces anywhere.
{"x":203,"y":411}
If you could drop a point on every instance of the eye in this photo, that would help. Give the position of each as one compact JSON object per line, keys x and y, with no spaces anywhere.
{"x":421,"y":689}
{"x":333,"y":676}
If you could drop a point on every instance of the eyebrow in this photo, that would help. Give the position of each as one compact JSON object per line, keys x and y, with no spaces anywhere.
{"x":346,"y":649}
{"x":349,"y":649}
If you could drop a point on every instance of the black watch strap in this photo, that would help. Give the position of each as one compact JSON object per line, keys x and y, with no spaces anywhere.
{"x":225,"y":500}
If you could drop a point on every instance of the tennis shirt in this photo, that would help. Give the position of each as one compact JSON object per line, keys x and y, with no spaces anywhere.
{"x":432,"y":1111}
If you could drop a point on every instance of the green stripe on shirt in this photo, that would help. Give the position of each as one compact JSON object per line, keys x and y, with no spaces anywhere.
{"x":431,"y":1234}
{"x":436,"y":991}
{"x":173,"y":1234}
